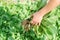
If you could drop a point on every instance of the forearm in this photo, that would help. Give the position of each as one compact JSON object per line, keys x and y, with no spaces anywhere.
{"x":51,"y":5}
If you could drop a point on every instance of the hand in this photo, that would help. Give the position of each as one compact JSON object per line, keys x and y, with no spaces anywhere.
{"x":37,"y":18}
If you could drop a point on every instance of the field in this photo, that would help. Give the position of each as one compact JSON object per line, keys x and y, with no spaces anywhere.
{"x":14,"y":12}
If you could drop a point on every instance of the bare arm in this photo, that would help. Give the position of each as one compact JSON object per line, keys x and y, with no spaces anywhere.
{"x":37,"y":17}
{"x":51,"y":5}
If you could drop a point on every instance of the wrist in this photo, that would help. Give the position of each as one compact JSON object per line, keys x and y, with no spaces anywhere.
{"x":41,"y":14}
{"x":43,"y":11}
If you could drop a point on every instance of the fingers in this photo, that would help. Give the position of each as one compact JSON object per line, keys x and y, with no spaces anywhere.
{"x":36,"y":19}
{"x":35,"y":23}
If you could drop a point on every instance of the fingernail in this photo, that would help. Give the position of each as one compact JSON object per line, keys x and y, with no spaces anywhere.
{"x":31,"y":22}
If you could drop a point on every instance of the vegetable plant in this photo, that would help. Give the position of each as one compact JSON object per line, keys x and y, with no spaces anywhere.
{"x":12,"y":14}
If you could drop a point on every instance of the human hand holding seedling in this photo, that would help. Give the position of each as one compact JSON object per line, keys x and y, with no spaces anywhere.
{"x":38,"y":16}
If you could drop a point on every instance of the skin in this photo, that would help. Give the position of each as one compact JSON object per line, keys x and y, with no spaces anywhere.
{"x":37,"y":17}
